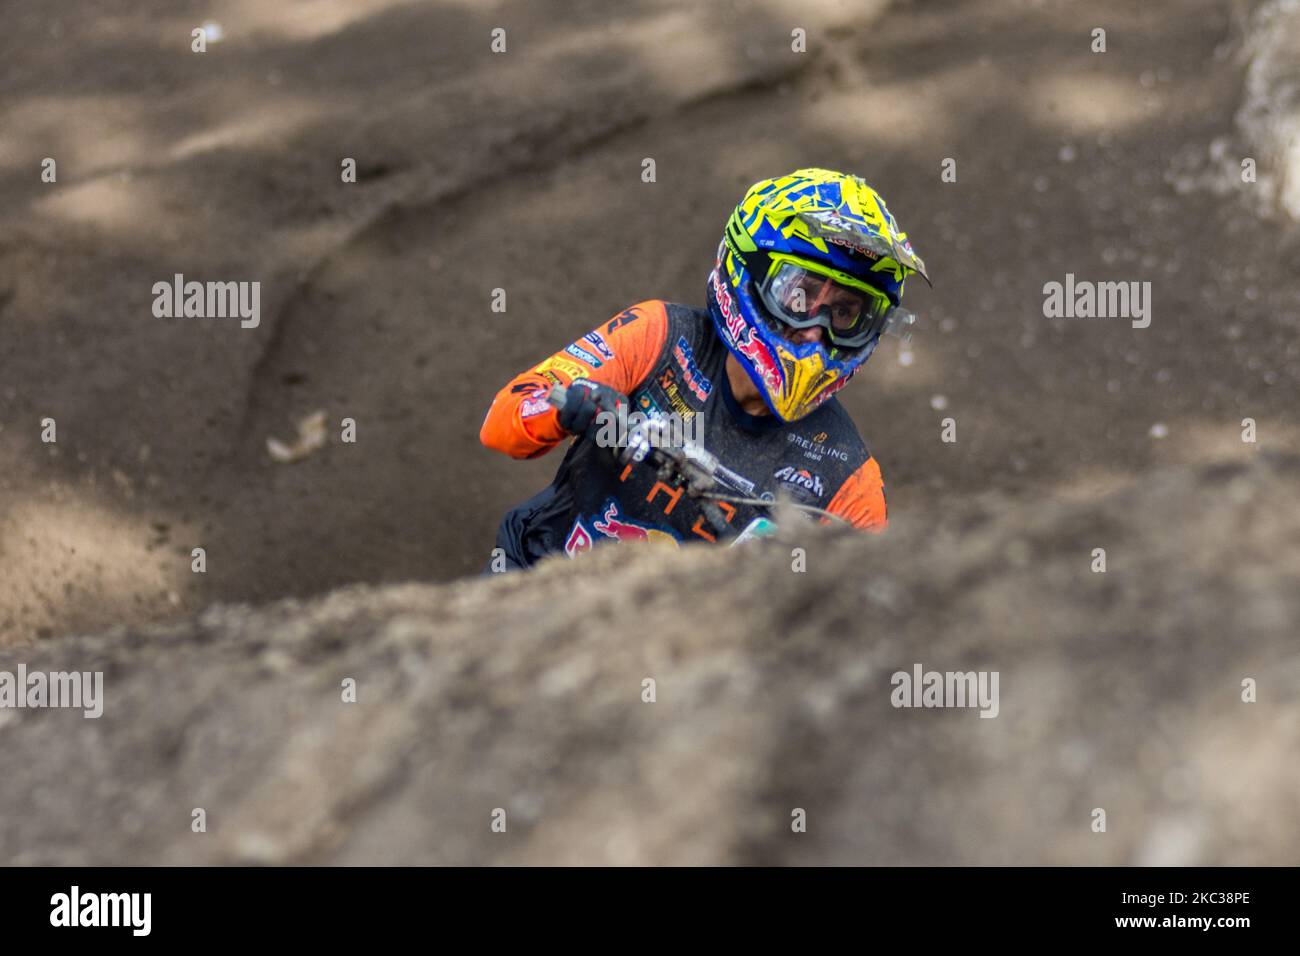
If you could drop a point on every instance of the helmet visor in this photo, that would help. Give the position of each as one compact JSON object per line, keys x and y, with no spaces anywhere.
{"x":802,"y":297}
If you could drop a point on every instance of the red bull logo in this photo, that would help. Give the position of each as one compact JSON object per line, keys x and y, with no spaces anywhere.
{"x":612,"y":526}
{"x":758,"y":353}
{"x":742,"y":336}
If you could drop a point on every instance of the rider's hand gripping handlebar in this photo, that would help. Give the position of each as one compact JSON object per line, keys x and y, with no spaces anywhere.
{"x":689,"y":465}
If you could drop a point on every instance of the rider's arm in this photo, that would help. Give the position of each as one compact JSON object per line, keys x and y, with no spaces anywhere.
{"x":861,"y":499}
{"x":619,"y":353}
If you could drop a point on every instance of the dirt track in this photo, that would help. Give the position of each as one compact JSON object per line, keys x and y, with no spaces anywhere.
{"x":522,"y":171}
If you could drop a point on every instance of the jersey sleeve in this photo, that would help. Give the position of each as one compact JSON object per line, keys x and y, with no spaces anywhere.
{"x":861,"y":499}
{"x":620,"y":353}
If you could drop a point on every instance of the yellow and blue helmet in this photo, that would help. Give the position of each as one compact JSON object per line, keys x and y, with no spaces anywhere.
{"x":814,"y":248}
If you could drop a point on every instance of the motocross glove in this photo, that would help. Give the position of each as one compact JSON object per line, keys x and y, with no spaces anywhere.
{"x":584,"y":403}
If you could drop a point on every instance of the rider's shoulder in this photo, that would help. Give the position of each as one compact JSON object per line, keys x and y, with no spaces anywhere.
{"x":668,"y":319}
{"x":643,"y":327}
{"x":649,"y":308}
{"x":686,"y":315}
{"x":653,"y":310}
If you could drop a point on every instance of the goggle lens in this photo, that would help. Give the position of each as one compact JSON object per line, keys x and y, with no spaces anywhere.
{"x":803,"y":298}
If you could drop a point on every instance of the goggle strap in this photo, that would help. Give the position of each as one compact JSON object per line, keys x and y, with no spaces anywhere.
{"x":899,"y":323}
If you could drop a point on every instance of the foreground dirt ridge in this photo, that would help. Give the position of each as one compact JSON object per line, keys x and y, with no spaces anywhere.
{"x":522,"y":698}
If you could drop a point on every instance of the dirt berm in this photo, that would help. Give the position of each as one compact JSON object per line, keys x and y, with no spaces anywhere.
{"x":1119,"y":691}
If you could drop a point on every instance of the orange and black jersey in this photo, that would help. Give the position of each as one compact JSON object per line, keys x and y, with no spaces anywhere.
{"x":667,"y":358}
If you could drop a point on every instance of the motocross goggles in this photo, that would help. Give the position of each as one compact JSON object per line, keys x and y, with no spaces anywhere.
{"x":801,"y":295}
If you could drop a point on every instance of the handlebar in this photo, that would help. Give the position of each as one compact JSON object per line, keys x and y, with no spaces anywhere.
{"x":691,"y":466}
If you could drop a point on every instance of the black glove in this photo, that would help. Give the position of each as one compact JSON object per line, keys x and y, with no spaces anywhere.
{"x":584,"y":402}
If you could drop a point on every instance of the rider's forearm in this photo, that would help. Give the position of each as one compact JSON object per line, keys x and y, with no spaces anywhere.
{"x":507,"y":427}
{"x":619,"y":353}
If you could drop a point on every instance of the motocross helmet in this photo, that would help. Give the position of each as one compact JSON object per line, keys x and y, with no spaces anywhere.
{"x":815,"y":247}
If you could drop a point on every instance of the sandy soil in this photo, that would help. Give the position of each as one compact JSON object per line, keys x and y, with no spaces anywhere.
{"x":773,"y":692}
{"x":522,"y":171}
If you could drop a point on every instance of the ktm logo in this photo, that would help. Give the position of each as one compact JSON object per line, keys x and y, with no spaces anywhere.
{"x":628,"y":315}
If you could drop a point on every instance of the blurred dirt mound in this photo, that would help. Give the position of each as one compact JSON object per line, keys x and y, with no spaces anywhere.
{"x":1118,"y":690}
{"x":1265,"y":45}
{"x":1270,"y":114}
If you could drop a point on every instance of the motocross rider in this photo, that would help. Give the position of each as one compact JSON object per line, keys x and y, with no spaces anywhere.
{"x":809,"y":274}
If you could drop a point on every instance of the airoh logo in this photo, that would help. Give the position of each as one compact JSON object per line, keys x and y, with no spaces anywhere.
{"x":800,"y":478}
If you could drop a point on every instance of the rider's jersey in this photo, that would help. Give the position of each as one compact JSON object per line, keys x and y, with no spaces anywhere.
{"x":668,"y":359}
